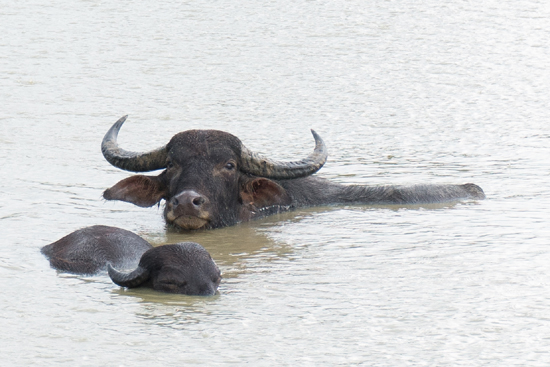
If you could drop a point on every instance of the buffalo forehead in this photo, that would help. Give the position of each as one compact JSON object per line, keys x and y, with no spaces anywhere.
{"x":181,"y":254}
{"x":204,"y":143}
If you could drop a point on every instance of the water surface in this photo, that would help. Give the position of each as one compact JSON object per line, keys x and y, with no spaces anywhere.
{"x":401,"y":92}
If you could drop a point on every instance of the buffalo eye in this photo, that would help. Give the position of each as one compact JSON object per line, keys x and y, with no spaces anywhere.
{"x":172,"y":286}
{"x":169,"y":165}
{"x":230,"y":166}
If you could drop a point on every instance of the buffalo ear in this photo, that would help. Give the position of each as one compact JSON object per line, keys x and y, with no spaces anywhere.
{"x":144,"y":191}
{"x":262,"y":192}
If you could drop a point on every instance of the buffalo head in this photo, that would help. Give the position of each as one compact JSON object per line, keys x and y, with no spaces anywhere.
{"x":209,"y":178}
{"x":184,"y":268}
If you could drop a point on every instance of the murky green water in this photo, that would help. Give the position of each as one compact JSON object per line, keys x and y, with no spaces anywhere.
{"x":401,"y":92}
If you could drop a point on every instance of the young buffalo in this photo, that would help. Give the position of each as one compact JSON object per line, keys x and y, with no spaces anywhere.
{"x":185,"y":268}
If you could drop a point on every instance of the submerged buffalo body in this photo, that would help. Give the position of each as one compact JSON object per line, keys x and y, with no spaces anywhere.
{"x":210,"y":179}
{"x":185,"y":268}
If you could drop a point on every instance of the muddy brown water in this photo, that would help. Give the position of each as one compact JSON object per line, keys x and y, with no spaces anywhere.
{"x":401,"y":92}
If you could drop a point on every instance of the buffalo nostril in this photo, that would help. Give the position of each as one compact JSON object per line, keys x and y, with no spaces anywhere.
{"x":198,"y":201}
{"x":188,"y":199}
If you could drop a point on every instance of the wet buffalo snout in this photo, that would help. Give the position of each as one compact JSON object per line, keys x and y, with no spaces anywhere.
{"x":188,"y":202}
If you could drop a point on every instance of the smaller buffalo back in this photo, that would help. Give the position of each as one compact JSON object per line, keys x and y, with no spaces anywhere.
{"x":88,"y":250}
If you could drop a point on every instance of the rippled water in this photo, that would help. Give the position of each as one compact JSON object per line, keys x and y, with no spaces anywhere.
{"x":401,"y":92}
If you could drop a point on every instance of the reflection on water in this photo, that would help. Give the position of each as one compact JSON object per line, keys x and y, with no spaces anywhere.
{"x":231,"y":246}
{"x":401,"y":92}
{"x":168,"y":310}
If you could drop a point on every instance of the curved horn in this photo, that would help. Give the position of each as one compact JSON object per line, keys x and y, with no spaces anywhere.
{"x":130,"y":161}
{"x":260,"y":166}
{"x":128,"y":280}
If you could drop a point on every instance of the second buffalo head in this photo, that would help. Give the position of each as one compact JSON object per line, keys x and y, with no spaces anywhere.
{"x":209,"y":178}
{"x":184,"y":268}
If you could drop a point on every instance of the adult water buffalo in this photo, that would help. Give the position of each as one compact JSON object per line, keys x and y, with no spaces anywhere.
{"x":210,"y":179}
{"x":185,"y":268}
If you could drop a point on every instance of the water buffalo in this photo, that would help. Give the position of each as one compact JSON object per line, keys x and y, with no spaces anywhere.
{"x":185,"y":268}
{"x":210,"y":180}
